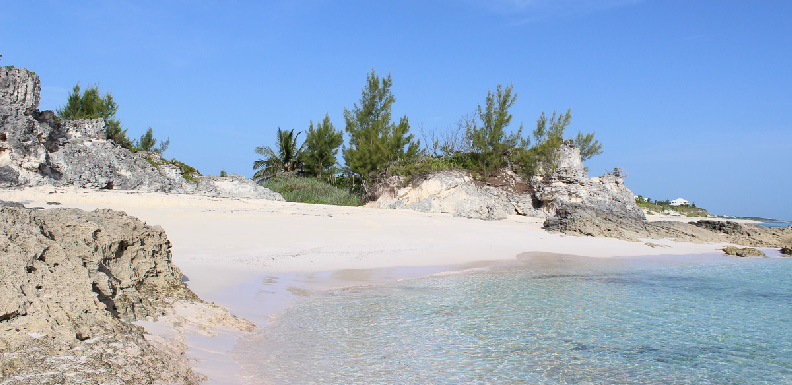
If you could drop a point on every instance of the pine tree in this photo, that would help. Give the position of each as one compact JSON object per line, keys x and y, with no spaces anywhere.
{"x":374,"y":140}
{"x":147,"y":142}
{"x":490,"y":140}
{"x":321,"y":147}
{"x":91,"y":104}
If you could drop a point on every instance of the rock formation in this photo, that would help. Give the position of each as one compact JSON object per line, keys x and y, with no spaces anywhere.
{"x":37,"y":148}
{"x":458,"y":193}
{"x":70,"y":283}
{"x":743,"y":252}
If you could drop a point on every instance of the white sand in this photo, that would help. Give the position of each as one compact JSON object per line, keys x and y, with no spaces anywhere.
{"x":215,"y":240}
{"x":234,"y":251}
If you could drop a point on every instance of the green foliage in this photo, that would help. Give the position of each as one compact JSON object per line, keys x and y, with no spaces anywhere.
{"x":310,"y":190}
{"x":375,"y":141}
{"x":666,"y":207}
{"x":285,"y":159}
{"x":188,"y":172}
{"x":223,"y":173}
{"x":588,"y":145}
{"x":321,"y":147}
{"x":147,"y":142}
{"x":548,"y":137}
{"x":490,"y":140}
{"x":91,"y":104}
{"x":425,"y":165}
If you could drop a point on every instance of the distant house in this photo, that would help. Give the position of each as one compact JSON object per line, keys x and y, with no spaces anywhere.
{"x":680,"y":202}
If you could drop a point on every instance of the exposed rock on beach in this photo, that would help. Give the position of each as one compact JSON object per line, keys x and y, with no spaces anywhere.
{"x":743,"y":251}
{"x":458,"y":193}
{"x":36,"y":148}
{"x":71,"y":283}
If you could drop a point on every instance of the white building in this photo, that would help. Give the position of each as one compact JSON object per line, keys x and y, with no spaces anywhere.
{"x":680,"y":202}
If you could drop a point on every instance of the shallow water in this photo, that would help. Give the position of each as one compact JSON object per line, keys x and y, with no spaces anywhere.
{"x":690,"y":320}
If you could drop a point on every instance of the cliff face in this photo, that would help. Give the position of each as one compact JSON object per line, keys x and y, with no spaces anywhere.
{"x":36,"y":149}
{"x":69,"y":283}
{"x":456,"y":192}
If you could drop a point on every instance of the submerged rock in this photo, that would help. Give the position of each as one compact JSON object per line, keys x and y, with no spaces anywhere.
{"x":36,"y":148}
{"x":743,"y":252}
{"x":70,"y":283}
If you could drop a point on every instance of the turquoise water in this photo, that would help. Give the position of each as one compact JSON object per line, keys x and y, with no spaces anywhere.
{"x":690,"y":320}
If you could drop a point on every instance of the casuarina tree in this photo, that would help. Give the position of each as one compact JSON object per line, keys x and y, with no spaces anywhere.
{"x":321,"y":147}
{"x":374,"y":140}
{"x":91,"y":104}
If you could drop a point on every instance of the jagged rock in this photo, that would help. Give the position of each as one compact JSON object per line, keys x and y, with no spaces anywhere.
{"x":458,"y":193}
{"x":749,"y":234}
{"x":69,"y":281}
{"x":786,"y":250}
{"x":743,"y":252}
{"x":38,"y":149}
{"x":575,"y":219}
{"x":455,"y":192}
{"x":234,"y":186}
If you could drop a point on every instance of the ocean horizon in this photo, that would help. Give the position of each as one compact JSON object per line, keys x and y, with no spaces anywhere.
{"x":555,"y":320}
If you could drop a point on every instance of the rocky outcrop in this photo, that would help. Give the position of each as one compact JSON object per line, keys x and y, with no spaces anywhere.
{"x":38,"y":149}
{"x":583,"y":220}
{"x":455,"y":192}
{"x":458,"y":193}
{"x":70,"y":282}
{"x":743,"y":251}
{"x":234,"y":186}
{"x":786,"y":250}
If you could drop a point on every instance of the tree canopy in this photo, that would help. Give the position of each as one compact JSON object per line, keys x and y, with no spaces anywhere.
{"x":321,"y":147}
{"x":92,"y":104}
{"x":490,"y":140}
{"x":374,"y":140}
{"x":147,"y":142}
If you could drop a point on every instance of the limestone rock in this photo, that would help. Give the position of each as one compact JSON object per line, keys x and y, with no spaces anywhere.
{"x":749,"y":234}
{"x":234,"y":186}
{"x":69,"y":282}
{"x":455,"y":192}
{"x":743,"y":252}
{"x":38,"y":149}
{"x":458,"y":193}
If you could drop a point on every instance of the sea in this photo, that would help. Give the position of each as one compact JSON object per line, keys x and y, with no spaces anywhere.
{"x":542,"y":320}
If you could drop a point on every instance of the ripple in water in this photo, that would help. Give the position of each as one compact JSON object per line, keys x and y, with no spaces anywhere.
{"x":722,"y":321}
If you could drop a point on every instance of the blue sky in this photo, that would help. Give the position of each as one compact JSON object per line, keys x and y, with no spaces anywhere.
{"x":692,"y":98}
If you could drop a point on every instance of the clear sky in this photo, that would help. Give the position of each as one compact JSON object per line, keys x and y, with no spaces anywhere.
{"x":692,"y":98}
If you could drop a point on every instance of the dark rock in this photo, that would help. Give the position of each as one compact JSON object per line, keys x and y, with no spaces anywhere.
{"x":786,"y":250}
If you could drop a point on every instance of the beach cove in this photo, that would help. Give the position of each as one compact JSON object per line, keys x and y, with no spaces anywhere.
{"x":256,"y":257}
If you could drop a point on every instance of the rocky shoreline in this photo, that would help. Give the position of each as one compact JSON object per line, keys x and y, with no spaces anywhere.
{"x":71,"y":284}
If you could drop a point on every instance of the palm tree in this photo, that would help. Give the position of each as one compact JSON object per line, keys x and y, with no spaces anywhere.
{"x":286,"y":159}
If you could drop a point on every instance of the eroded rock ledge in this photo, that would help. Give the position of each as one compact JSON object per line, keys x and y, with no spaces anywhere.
{"x":36,"y":148}
{"x":71,"y":282}
{"x":457,"y":192}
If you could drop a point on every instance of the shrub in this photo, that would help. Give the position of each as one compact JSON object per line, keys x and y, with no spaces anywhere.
{"x":310,"y":190}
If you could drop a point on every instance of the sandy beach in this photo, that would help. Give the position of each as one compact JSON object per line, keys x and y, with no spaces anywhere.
{"x":255,"y":256}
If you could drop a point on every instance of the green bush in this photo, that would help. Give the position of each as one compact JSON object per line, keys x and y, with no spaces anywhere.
{"x":310,"y":190}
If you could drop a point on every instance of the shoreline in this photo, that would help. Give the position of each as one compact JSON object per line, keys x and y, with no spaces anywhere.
{"x":242,"y":253}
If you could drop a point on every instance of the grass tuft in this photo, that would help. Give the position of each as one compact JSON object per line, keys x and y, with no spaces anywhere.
{"x":311,"y":190}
